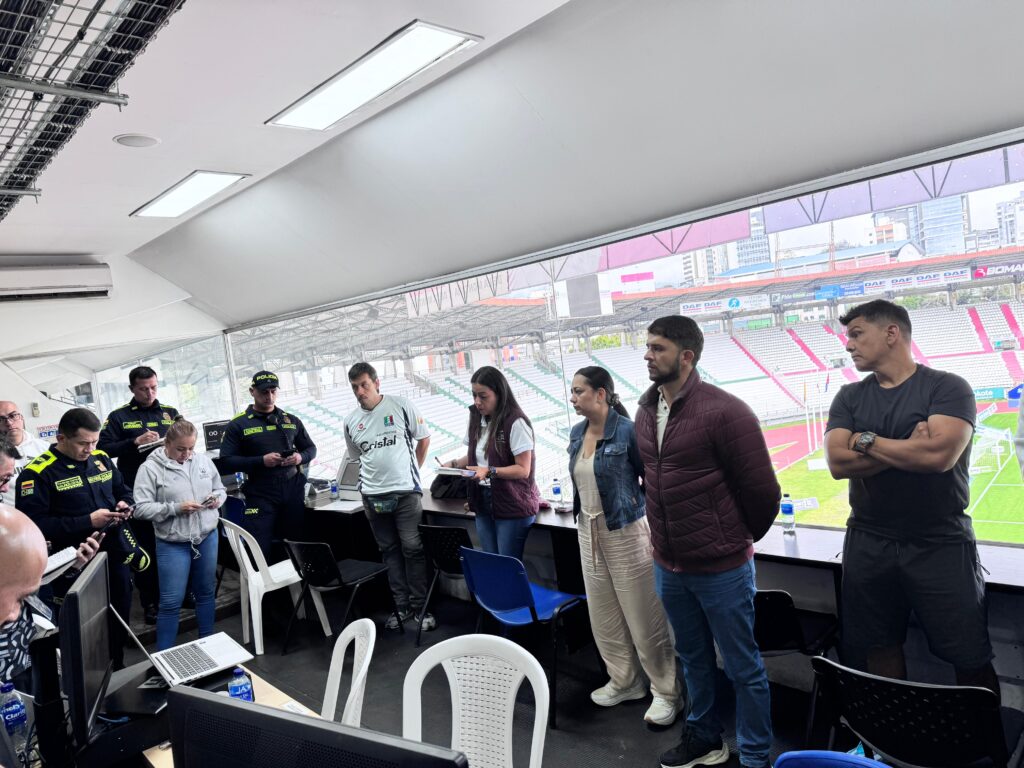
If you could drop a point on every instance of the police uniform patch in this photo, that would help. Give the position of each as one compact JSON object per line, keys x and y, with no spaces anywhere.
{"x":102,"y":467}
{"x":166,"y":416}
{"x":28,"y":487}
{"x":67,"y":483}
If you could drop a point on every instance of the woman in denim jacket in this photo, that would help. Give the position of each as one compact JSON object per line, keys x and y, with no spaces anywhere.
{"x":615,"y":547}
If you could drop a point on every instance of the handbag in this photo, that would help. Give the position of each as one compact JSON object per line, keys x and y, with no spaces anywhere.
{"x":449,"y":487}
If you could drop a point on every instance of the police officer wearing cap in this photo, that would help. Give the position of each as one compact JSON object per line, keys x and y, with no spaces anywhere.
{"x":269,"y":445}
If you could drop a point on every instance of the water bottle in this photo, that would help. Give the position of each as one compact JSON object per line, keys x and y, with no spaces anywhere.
{"x":788,"y":518}
{"x":334,"y":488}
{"x":556,"y":493}
{"x":15,"y":719}
{"x":239,"y":477}
{"x":240,"y":686}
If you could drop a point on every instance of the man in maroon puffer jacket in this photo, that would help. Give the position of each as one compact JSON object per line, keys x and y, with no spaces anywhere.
{"x":711,"y":492}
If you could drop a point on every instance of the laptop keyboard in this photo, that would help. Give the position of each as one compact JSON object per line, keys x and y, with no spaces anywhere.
{"x":188,"y":661}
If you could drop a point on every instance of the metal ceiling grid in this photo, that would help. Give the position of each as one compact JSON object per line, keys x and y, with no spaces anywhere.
{"x":58,"y":59}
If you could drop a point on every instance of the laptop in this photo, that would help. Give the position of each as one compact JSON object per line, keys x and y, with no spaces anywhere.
{"x":194,"y":660}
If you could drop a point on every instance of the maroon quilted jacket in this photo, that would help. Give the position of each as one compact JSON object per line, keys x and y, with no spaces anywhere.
{"x":712,"y":490}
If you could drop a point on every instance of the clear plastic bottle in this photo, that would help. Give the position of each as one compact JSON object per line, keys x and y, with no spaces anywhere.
{"x":788,"y":517}
{"x":240,"y":686}
{"x":15,"y":718}
{"x":239,"y":478}
{"x":334,"y":488}
{"x":556,"y":493}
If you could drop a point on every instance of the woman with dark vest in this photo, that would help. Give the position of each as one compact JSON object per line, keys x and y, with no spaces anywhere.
{"x":500,"y":450}
{"x":627,"y":617}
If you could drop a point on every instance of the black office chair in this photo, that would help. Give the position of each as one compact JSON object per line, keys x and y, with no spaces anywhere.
{"x":320,"y":572}
{"x":780,"y":629}
{"x":441,"y":544}
{"x":917,"y":724}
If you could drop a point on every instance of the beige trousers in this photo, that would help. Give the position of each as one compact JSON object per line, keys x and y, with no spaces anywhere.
{"x":626,"y":615}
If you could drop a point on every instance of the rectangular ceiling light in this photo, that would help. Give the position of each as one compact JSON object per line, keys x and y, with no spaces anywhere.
{"x":196,"y":188}
{"x":405,"y":54}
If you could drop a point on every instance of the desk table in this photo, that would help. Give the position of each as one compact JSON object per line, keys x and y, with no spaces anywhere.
{"x":265,"y":694}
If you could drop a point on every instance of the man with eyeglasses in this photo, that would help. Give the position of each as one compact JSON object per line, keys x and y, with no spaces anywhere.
{"x":12,"y":427}
{"x":128,"y":435}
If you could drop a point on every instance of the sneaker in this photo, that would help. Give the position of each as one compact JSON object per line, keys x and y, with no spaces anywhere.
{"x":608,"y":695}
{"x":394,"y":620}
{"x":138,"y":558}
{"x":693,"y":751}
{"x":428,"y":623}
{"x":662,"y":711}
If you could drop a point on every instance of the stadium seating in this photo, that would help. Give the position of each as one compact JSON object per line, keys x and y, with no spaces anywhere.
{"x":776,"y":350}
{"x":942,"y":331}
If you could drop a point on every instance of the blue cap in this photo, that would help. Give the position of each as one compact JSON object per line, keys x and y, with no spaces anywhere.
{"x":239,"y":671}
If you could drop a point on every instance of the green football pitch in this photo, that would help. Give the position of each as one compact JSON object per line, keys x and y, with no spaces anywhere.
{"x":997,"y":493}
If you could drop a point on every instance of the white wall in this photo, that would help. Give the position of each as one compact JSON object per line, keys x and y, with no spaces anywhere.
{"x":14,"y":388}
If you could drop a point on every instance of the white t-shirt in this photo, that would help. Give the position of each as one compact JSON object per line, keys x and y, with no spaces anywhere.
{"x":520,"y":441}
{"x":30,"y":448}
{"x":663,"y":410}
{"x":384,"y":440}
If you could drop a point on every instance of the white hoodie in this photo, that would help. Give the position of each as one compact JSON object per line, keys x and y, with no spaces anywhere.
{"x":163,"y":484}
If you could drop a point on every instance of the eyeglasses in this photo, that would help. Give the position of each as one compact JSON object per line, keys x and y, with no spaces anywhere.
{"x":10,"y":416}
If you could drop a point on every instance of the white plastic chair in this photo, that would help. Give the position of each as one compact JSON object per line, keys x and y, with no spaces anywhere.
{"x":484,"y":675}
{"x":364,"y":633}
{"x":258,"y":581}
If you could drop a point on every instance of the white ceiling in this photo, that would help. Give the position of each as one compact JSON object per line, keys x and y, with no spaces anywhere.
{"x":602,"y":115}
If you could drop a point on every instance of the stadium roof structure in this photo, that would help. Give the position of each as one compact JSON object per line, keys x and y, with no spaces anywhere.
{"x":840,"y":255}
{"x":387,"y":328}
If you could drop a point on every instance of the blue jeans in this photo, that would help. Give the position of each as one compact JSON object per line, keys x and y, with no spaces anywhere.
{"x":709,"y":608}
{"x":505,"y":537}
{"x":175,"y":562}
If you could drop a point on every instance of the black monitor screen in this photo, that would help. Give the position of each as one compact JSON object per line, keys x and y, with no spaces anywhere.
{"x":213,"y":434}
{"x":211,"y":730}
{"x":85,"y":646}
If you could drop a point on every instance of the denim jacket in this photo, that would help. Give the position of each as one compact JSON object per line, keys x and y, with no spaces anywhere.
{"x":617,"y":468}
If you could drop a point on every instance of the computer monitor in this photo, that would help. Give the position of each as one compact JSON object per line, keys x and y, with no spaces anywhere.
{"x":348,"y":479}
{"x":209,"y":729}
{"x":213,"y":434}
{"x":85,"y":647}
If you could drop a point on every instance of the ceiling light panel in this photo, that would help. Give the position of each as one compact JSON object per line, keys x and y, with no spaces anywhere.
{"x":196,"y":188}
{"x":405,"y":54}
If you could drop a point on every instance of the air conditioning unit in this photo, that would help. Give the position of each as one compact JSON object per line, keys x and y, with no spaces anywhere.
{"x":70,"y":281}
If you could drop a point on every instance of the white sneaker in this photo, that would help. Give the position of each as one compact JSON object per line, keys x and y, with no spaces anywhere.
{"x":662,"y":711}
{"x":609,"y":695}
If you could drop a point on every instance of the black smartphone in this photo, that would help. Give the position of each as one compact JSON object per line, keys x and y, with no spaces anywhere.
{"x":110,"y":524}
{"x":286,"y":454}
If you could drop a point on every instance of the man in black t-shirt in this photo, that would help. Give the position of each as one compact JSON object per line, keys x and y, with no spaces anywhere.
{"x":902,"y":436}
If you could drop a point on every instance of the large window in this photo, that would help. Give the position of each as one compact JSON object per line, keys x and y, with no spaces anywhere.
{"x":767,"y":286}
{"x":193,"y":378}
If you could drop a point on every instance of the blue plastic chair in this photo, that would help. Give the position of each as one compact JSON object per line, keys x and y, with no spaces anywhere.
{"x":821,"y":759}
{"x":500,"y":586}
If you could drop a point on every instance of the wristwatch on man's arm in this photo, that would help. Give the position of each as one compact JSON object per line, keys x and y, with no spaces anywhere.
{"x":492,"y":472}
{"x":864,"y":442}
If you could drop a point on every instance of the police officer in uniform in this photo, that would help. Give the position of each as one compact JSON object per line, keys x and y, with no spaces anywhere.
{"x":269,"y":445}
{"x":72,"y":490}
{"x":126,"y":432}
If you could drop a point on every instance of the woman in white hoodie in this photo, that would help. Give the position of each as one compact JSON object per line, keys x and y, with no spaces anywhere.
{"x":181,"y":491}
